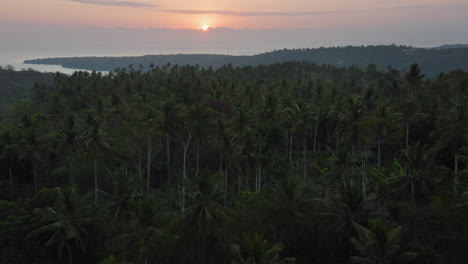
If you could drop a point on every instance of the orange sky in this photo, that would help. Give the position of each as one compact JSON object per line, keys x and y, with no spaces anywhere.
{"x":183,"y":14}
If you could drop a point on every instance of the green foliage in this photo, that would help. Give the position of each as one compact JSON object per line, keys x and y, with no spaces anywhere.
{"x":113,"y":260}
{"x":243,"y":165}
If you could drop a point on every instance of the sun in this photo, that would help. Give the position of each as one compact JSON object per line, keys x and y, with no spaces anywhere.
{"x":205,"y":27}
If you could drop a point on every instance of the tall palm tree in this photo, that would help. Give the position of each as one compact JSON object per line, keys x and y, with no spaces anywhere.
{"x":383,"y":121}
{"x":149,"y":234}
{"x":256,"y":249}
{"x":7,"y":149}
{"x":414,"y":77}
{"x":409,"y":113}
{"x":69,"y":144}
{"x":170,"y":121}
{"x":454,"y":128}
{"x":352,"y":122}
{"x":117,"y":203}
{"x":301,"y":117}
{"x":419,"y":159}
{"x":94,"y":140}
{"x":65,"y":223}
{"x":205,"y":212}
{"x":379,"y":244}
{"x":30,"y":145}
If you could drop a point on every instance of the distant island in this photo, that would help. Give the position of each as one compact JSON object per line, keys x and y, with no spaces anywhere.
{"x":433,"y":60}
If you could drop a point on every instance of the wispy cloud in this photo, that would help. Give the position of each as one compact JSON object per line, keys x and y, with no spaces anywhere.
{"x":246,"y":13}
{"x":426,"y":6}
{"x":302,"y":13}
{"x":115,"y":3}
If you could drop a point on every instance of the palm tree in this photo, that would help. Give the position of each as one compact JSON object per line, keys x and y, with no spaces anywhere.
{"x":383,"y":121}
{"x":379,"y":244}
{"x":419,"y":159}
{"x":94,"y":140}
{"x":301,"y":117}
{"x":414,"y":77}
{"x":152,"y":122}
{"x":71,"y":136}
{"x":65,"y":223}
{"x":7,"y":149}
{"x":257,"y":250}
{"x":348,"y":207}
{"x":149,"y":230}
{"x":409,"y":114}
{"x":452,"y":134}
{"x":30,"y":146}
{"x":205,"y":212}
{"x":352,"y":122}
{"x":117,"y":204}
{"x":170,"y":120}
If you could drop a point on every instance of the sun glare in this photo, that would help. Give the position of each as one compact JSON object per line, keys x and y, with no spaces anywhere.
{"x":205,"y":27}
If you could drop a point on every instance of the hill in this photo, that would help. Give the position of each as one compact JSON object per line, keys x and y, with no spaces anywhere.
{"x":433,"y":61}
{"x":17,"y":85}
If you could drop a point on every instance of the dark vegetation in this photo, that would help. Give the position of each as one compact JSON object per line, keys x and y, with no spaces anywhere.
{"x":433,"y":61}
{"x":17,"y":85}
{"x":268,"y":164}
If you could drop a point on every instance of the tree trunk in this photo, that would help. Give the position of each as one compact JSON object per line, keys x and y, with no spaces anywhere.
{"x":70,"y":256}
{"x":364,"y":183}
{"x":35,"y":178}
{"x":168,"y":154}
{"x":70,"y":168}
{"x":304,"y":156}
{"x":95,"y":180}
{"x":379,"y":152}
{"x":407,"y":136}
{"x":198,"y":159}
{"x":260,"y":178}
{"x":316,"y":131}
{"x":413,"y":192}
{"x":290,"y":149}
{"x":225,"y":185}
{"x":184,"y":170}
{"x":140,"y":173}
{"x":256,"y":180}
{"x":148,"y":170}
{"x":337,"y":141}
{"x":456,"y":179}
{"x":11,"y":178}
{"x":240,"y":184}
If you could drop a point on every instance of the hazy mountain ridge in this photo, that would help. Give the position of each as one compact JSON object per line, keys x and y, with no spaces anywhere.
{"x":452,"y":46}
{"x":432,"y":61}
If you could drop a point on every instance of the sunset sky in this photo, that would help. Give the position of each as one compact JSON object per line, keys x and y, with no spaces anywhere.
{"x":258,"y":14}
{"x":50,"y":28}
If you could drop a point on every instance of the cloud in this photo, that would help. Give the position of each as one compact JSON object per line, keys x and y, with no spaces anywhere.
{"x":246,"y":13}
{"x":426,"y":6}
{"x":115,"y":3}
{"x":140,"y":4}
{"x":303,"y":13}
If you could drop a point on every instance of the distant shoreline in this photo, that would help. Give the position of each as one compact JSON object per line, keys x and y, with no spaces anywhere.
{"x":432,"y":60}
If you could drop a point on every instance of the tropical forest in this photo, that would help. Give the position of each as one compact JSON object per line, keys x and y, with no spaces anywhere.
{"x":292,"y":162}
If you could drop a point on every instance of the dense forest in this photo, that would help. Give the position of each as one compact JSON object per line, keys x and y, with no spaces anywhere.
{"x":16,"y":85}
{"x":286,"y":163}
{"x":433,"y":61}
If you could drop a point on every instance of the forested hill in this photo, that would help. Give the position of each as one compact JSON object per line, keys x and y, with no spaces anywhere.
{"x":17,"y":85}
{"x":433,"y":61}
